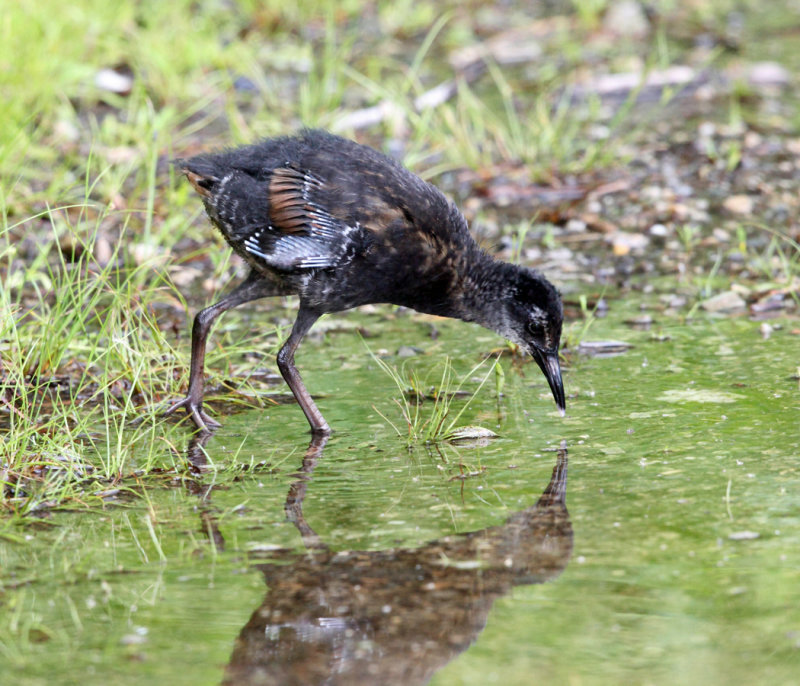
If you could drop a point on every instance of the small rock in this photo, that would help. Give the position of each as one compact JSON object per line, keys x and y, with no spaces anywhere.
{"x":594,"y":222}
{"x":137,"y":637}
{"x":114,"y":81}
{"x":407,"y":351}
{"x":603,"y":348}
{"x":721,"y":235}
{"x":120,"y":154}
{"x":626,"y":18}
{"x":146,"y":252}
{"x":66,"y":131}
{"x":562,"y":254}
{"x":243,"y":84}
{"x":673,"y":300}
{"x":575,"y":226}
{"x":658,"y":230}
{"x":770,"y":303}
{"x":768,"y":74}
{"x":723,"y":302}
{"x":738,"y":204}
{"x":623,"y":243}
{"x":183,"y":276}
{"x":643,"y":321}
{"x":103,"y":252}
{"x":684,"y":212}
{"x":653,"y":193}
{"x":743,"y":535}
{"x":132,"y":640}
{"x":752,"y":140}
{"x":533,"y":254}
{"x":706,"y":129}
{"x":211,"y":285}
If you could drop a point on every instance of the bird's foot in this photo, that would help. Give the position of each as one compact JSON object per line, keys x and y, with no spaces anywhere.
{"x":195,"y":410}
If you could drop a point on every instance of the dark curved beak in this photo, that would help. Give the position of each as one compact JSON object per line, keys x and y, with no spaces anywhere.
{"x":548,"y":363}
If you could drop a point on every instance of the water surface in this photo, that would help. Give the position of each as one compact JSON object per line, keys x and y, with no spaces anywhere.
{"x":660,"y":548}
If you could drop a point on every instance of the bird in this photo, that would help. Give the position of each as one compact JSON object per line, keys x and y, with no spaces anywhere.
{"x":340,"y":224}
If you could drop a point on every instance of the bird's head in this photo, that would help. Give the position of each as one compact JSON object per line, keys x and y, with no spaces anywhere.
{"x":533,"y":319}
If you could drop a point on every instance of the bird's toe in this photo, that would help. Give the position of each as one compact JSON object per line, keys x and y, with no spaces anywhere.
{"x":195,"y":410}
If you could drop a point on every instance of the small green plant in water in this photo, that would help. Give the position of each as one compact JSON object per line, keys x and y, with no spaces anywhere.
{"x":578,"y":330}
{"x":441,"y":421}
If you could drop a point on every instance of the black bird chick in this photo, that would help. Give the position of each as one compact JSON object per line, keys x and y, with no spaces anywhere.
{"x":341,"y":225}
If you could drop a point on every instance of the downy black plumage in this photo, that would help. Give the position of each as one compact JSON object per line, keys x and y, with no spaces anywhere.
{"x":340,"y":225}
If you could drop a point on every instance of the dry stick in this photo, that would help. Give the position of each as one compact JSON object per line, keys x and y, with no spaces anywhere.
{"x":514,"y":46}
{"x":518,"y":46}
{"x":438,"y":95}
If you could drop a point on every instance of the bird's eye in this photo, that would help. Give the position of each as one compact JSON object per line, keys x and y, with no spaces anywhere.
{"x":535,"y":329}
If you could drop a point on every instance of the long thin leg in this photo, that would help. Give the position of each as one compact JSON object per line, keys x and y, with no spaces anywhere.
{"x":305,"y":320}
{"x":253,"y":287}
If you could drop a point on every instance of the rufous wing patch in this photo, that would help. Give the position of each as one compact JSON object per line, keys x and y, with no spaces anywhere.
{"x":290,"y":206}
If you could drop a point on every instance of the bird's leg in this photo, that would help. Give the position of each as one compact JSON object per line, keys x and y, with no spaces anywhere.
{"x":293,"y":507}
{"x":252,"y":288}
{"x":305,"y":320}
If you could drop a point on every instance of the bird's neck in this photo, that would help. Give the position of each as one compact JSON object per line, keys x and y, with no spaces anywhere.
{"x":487,"y":286}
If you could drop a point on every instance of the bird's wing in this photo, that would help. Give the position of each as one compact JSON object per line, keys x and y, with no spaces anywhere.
{"x":301,"y":233}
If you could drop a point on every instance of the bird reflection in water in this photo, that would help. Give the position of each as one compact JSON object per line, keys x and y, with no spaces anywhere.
{"x":392,"y":616}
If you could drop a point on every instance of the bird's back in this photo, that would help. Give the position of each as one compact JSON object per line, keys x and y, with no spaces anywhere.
{"x":289,"y":183}
{"x":336,"y":221}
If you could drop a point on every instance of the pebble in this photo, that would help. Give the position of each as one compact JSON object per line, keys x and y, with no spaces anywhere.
{"x":624,"y":243}
{"x":603,"y":348}
{"x":66,"y":131}
{"x":674,"y":301}
{"x":721,"y":235}
{"x":626,"y":18}
{"x":743,"y":535}
{"x":561,"y":254}
{"x":643,"y":321}
{"x":575,"y":226}
{"x":769,"y":74}
{"x":723,"y":302}
{"x":146,"y":253}
{"x":183,"y":276}
{"x":113,"y":81}
{"x":407,"y":351}
{"x":738,"y":204}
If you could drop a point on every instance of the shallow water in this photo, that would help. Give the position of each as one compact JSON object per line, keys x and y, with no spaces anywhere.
{"x":663,"y":547}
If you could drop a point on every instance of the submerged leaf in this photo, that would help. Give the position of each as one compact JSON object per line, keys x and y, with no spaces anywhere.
{"x":698,"y":395}
{"x":466,"y":433}
{"x":603,"y":348}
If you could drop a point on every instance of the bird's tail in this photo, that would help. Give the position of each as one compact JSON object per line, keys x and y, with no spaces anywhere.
{"x":201,"y":173}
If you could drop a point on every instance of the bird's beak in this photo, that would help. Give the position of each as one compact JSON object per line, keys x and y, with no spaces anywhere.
{"x":548,"y":363}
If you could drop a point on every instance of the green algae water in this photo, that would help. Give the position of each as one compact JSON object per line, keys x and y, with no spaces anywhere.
{"x":649,"y":537}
